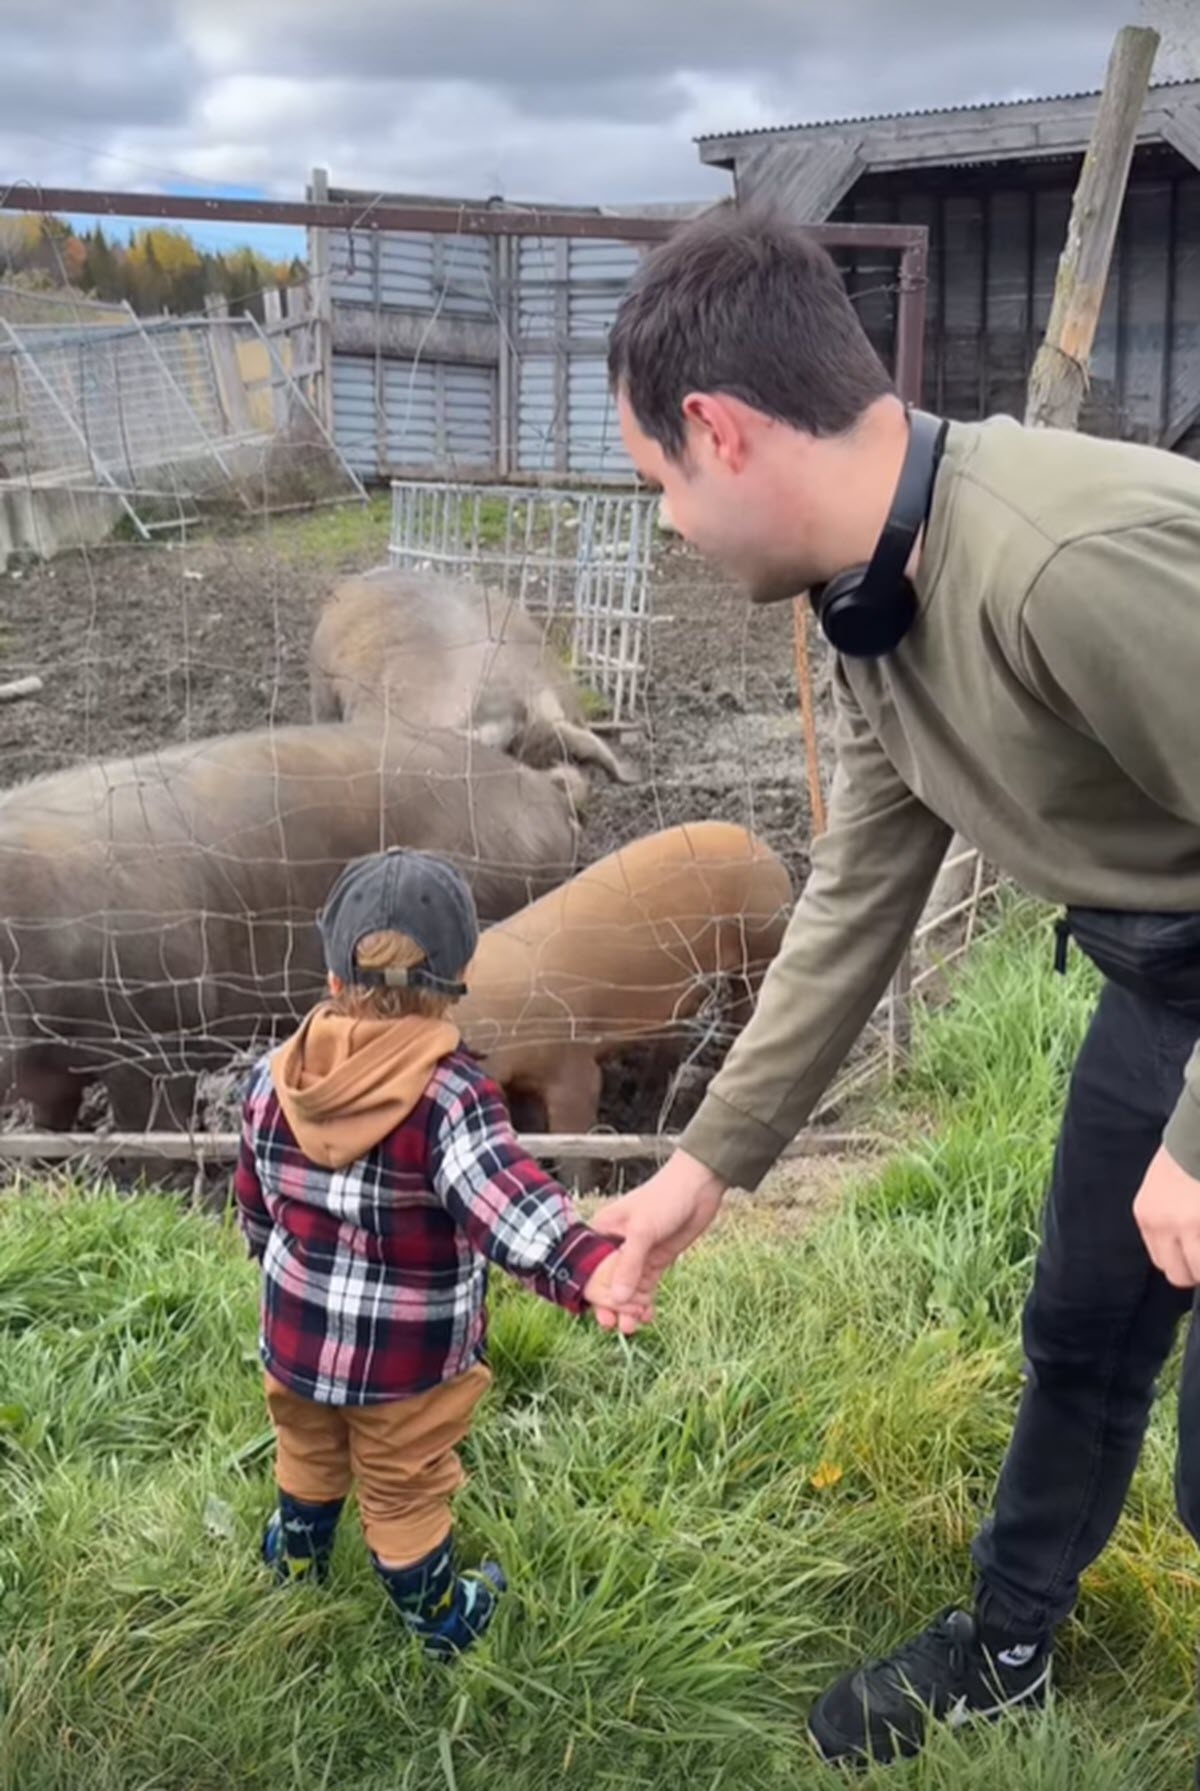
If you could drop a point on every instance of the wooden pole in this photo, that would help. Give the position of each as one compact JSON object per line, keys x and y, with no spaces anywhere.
{"x":320,"y":263}
{"x":808,"y":716}
{"x":1058,"y":382}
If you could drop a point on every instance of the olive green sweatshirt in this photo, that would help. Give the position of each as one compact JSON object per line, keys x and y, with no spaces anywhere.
{"x":1046,"y":704}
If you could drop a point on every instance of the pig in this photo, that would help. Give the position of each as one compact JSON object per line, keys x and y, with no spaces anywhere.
{"x":442,"y":653}
{"x":625,"y":953}
{"x":157,"y":913}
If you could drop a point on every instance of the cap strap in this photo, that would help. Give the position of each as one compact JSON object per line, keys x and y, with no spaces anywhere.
{"x":418,"y":976}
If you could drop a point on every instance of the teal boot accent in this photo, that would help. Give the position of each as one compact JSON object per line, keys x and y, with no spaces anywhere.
{"x":446,"y":1611}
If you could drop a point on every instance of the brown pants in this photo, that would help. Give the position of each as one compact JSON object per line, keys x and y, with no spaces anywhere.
{"x":401,"y":1457}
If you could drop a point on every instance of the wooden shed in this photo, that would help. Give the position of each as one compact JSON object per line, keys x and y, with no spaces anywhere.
{"x":994,"y":184}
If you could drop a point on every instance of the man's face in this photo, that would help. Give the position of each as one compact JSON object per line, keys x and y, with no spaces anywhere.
{"x":723,"y":496}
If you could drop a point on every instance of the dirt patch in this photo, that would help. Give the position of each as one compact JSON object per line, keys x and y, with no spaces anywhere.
{"x":143,"y":646}
{"x":795,"y":1194}
{"x":140,"y":647}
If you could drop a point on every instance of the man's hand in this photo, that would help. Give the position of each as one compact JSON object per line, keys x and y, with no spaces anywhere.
{"x":1167,"y":1210}
{"x":657,"y":1221}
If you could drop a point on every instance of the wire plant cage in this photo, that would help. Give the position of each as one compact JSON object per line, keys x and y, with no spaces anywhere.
{"x":580,"y":559}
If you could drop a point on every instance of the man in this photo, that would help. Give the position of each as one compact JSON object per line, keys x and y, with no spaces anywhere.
{"x":1044,"y":702}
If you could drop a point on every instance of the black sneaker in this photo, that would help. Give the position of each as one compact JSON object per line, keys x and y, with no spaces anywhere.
{"x":881,"y":1711}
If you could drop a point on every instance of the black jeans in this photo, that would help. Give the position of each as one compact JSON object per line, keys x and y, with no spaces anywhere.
{"x":1098,"y":1327}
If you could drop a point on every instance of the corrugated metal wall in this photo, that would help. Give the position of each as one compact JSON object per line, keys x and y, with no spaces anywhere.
{"x":995,"y":239}
{"x":528,"y":319}
{"x":453,"y":275}
{"x":418,"y":412}
{"x":394,"y":416}
{"x":567,"y":293}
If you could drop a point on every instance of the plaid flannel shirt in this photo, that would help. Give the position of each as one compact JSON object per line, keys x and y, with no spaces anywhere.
{"x":375,"y":1275}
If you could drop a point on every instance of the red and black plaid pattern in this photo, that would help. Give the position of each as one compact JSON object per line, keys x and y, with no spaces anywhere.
{"x":375,"y":1275}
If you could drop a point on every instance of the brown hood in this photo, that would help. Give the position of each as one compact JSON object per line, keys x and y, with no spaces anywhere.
{"x":345,"y":1084}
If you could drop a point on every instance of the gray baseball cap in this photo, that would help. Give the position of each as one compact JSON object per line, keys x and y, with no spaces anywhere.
{"x":402,"y":891}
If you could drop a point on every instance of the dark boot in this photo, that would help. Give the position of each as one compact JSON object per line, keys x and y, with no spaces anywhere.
{"x":298,"y":1540}
{"x":444,"y":1610}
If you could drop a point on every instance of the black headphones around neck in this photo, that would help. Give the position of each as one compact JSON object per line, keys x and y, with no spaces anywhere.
{"x":867,"y":611}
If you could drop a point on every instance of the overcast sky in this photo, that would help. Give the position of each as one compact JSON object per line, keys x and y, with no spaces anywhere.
{"x":553,"y":100}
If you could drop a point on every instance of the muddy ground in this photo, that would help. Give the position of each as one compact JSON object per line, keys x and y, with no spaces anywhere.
{"x":142,"y":646}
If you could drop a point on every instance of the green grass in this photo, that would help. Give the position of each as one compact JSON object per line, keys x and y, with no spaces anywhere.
{"x":353,"y":535}
{"x":358,"y":534}
{"x":699,"y":1527}
{"x":348,"y":534}
{"x":342,"y":536}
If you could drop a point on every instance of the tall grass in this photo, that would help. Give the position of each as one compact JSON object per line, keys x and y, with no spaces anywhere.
{"x":699,"y":1527}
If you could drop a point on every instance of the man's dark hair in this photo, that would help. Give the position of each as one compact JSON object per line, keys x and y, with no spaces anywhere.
{"x":745,"y":303}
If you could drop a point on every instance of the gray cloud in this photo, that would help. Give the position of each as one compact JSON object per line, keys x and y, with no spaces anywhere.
{"x":523,"y":41}
{"x":95,"y":69}
{"x":655,"y":98}
{"x":546,"y":42}
{"x":541,"y":99}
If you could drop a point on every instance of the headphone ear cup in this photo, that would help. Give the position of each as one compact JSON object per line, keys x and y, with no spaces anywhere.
{"x":866,"y":612}
{"x":859,"y":630}
{"x":842,"y":584}
{"x":831,"y":599}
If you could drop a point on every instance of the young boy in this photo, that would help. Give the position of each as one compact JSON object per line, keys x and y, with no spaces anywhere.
{"x":377,"y":1170}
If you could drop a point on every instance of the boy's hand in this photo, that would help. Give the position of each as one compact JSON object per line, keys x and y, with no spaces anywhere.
{"x":634,"y":1311}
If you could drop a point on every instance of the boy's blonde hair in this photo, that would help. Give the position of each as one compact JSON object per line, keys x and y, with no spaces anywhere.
{"x":388,"y":951}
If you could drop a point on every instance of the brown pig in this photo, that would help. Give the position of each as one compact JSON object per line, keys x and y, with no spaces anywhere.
{"x":157,"y":913}
{"x":440,"y":653}
{"x":628,"y":951}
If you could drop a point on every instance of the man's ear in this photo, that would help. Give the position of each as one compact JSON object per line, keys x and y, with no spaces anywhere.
{"x":717,"y":431}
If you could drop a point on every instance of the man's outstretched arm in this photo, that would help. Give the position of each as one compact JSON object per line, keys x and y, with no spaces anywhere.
{"x":872,"y":872}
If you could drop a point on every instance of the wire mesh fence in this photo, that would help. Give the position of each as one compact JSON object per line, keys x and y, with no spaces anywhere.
{"x":176,"y":817}
{"x":175,"y":813}
{"x":159,"y":416}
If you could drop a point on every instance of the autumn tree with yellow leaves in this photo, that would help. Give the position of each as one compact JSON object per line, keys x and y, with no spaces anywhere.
{"x":158,"y":269}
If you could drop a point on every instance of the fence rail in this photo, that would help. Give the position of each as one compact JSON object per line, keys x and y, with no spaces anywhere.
{"x":222,"y":1147}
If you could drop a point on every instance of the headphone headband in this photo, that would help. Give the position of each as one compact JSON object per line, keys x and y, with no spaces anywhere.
{"x":866,"y":612}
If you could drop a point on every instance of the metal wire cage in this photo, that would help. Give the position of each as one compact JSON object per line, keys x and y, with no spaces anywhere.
{"x":581,"y":558}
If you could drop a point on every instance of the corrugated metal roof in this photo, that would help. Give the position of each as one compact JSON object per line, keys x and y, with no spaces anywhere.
{"x":829,"y":124}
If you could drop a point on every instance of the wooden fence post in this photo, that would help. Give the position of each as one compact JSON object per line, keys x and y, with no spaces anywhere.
{"x":230,"y":378}
{"x":322,"y":307}
{"x":1059,"y":379}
